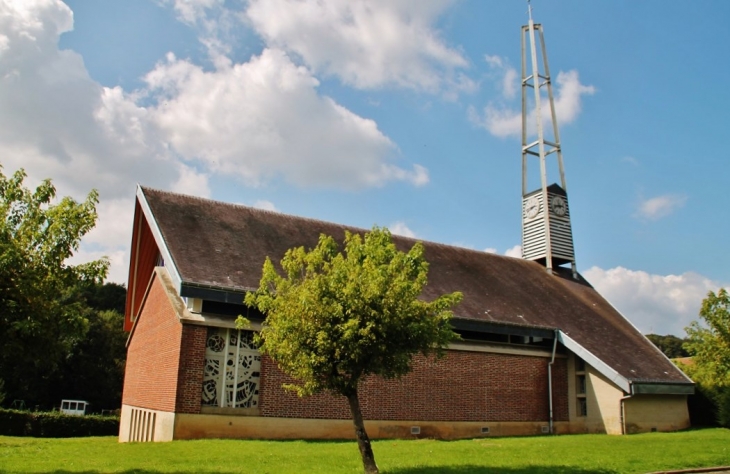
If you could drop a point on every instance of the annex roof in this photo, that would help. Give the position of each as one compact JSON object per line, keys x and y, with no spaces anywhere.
{"x":216,"y":250}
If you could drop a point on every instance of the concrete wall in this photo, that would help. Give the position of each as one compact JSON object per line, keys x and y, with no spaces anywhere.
{"x":641,"y":413}
{"x":604,"y":404}
{"x":142,"y":425}
{"x":656,"y":413}
{"x":189,"y":426}
{"x":603,"y":399}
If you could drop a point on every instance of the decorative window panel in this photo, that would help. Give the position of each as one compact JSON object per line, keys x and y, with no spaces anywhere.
{"x":232,"y":369}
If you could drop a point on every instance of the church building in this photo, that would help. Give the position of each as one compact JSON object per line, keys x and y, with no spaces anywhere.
{"x":541,"y":351}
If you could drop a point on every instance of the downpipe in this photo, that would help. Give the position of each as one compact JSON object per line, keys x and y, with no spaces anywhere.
{"x":550,"y":380}
{"x":623,"y":412}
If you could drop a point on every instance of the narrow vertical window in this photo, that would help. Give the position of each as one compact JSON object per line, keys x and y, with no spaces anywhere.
{"x":582,"y":407}
{"x":581,"y":387}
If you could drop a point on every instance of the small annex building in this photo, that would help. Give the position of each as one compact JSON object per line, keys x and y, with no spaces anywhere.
{"x":540,"y":352}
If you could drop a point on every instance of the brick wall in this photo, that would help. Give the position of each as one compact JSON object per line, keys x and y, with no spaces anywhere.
{"x":464,"y":386}
{"x":190,"y":375}
{"x":561,"y":410}
{"x":165,"y":372}
{"x":153,"y":355}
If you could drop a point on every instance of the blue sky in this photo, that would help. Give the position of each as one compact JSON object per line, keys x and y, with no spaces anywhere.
{"x":389,"y":113}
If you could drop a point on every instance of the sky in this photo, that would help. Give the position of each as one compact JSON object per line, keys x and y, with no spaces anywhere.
{"x":402,"y":114}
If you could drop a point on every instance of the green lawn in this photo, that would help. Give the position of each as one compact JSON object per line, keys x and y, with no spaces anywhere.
{"x":574,"y":454}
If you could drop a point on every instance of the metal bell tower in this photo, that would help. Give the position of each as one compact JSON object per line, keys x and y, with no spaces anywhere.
{"x":547,"y":236}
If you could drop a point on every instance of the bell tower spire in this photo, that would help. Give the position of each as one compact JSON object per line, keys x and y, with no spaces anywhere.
{"x":547,"y":236}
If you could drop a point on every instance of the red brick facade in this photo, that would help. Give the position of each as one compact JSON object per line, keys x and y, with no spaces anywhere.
{"x":153,"y":355}
{"x":464,"y":386}
{"x":165,"y":359}
{"x":190,"y":376}
{"x":165,"y":372}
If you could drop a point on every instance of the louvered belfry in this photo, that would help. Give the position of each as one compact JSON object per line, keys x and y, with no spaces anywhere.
{"x":547,"y":236}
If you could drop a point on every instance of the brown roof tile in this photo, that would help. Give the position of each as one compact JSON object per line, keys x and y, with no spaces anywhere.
{"x":224,"y":245}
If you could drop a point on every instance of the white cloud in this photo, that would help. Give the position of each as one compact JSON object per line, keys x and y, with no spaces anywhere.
{"x":55,"y":121}
{"x":515,"y":251}
{"x":509,"y":83}
{"x":264,"y":119}
{"x":258,"y":120}
{"x":367,"y":44}
{"x":118,"y":259}
{"x":191,"y":182}
{"x":660,"y":206}
{"x":503,"y":122}
{"x":400,"y":228}
{"x":630,"y":160}
{"x":490,"y":250}
{"x":494,"y":61}
{"x":114,"y":226}
{"x":265,"y":205}
{"x":194,"y":11}
{"x":507,"y":75}
{"x":214,"y":23}
{"x":660,"y":304}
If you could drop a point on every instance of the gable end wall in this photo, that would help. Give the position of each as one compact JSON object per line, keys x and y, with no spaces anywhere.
{"x":153,"y":355}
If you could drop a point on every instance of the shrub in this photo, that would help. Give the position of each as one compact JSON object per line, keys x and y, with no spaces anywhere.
{"x":722,"y":399}
{"x":56,"y":424}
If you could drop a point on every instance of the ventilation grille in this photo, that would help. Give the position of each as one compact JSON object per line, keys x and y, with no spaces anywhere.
{"x":415,"y":430}
{"x":142,"y":427}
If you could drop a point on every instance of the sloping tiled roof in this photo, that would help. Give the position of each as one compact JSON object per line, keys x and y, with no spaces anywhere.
{"x":221,"y":245}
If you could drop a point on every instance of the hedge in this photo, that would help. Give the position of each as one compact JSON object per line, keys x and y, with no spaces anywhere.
{"x":56,"y":424}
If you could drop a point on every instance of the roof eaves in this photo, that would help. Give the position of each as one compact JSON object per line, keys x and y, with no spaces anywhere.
{"x":214,"y":292}
{"x":480,"y":325}
{"x":594,"y":362}
{"x":159,"y":239}
{"x":661,"y":388}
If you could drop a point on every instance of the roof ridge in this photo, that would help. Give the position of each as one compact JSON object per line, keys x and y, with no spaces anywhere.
{"x":320,"y":221}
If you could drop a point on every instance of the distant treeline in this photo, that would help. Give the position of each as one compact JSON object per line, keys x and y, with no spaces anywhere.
{"x":671,"y":346}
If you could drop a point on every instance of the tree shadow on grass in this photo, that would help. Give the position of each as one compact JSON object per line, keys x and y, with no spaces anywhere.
{"x":467,"y":469}
{"x":474,"y":469}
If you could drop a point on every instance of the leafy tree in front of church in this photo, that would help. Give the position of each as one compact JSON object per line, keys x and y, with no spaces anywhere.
{"x":709,"y":344}
{"x":338,"y":317}
{"x":42,"y":313}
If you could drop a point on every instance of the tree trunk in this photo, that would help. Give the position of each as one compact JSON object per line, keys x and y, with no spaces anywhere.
{"x":363,"y":442}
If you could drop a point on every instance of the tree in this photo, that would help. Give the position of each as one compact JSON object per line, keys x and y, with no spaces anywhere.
{"x":709,"y":344}
{"x":41,"y":310}
{"x":671,"y":346}
{"x":336,"y":318}
{"x":93,"y":369}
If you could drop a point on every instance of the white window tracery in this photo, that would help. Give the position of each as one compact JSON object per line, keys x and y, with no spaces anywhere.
{"x":232,"y":369}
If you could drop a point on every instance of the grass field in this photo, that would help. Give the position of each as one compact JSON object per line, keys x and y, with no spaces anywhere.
{"x":574,"y":454}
